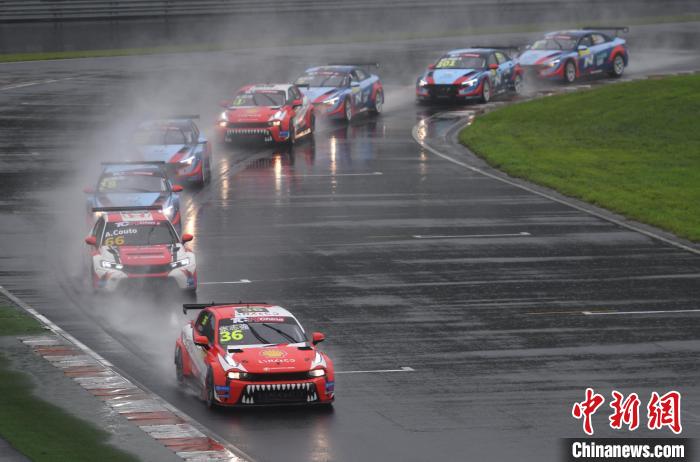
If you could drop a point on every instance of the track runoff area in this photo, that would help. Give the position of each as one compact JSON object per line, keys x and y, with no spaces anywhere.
{"x":467,"y":318}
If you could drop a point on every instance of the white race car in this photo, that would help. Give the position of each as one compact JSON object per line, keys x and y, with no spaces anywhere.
{"x":138,"y":245}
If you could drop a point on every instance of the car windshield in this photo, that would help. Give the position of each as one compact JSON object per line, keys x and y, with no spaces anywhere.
{"x":557,"y":42}
{"x":159,"y":136}
{"x":131,"y":183}
{"x":260,"y":98}
{"x":139,"y":233}
{"x":322,"y":79}
{"x":467,"y":61}
{"x":262,"y":330}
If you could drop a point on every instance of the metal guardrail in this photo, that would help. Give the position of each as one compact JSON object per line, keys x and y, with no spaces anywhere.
{"x":67,"y":10}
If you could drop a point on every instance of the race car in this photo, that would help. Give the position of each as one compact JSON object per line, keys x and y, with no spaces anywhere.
{"x":569,"y":55}
{"x":342,"y":91}
{"x":251,"y":354}
{"x":135,"y":184}
{"x":276,"y":113}
{"x":469,"y":74}
{"x":179,"y":143}
{"x":137,"y":246}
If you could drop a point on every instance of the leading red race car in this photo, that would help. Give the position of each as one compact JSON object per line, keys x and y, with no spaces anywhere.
{"x":272,"y":112}
{"x":246,"y":354}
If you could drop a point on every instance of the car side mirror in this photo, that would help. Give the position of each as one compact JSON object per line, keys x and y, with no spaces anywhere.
{"x":493,"y":66}
{"x":317,"y":337}
{"x":297,"y":102}
{"x":89,"y":190}
{"x":225,"y":103}
{"x":187,"y":237}
{"x":354,"y":83}
{"x":582,"y":48}
{"x":431,"y":67}
{"x":201,"y":340}
{"x":178,"y":188}
{"x":91,"y":240}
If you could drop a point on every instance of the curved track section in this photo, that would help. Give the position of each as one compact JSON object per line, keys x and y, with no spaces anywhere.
{"x":463,"y":313}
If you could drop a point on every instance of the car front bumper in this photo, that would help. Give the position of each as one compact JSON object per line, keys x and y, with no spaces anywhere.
{"x":300,"y":392}
{"x":109,"y":280}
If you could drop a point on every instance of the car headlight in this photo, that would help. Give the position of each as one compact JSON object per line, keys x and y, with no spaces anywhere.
{"x":422,"y":83}
{"x":274,"y":123}
{"x":237,"y":375}
{"x":554,"y":63}
{"x":332,"y":101}
{"x":180,"y":263}
{"x":111,"y":265}
{"x":168,"y":211}
{"x":223,"y":116}
{"x":469,"y":83}
{"x":317,"y":373}
{"x":186,"y":160}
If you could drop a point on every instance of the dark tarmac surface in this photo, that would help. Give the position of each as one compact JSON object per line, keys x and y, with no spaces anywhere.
{"x":402,"y":259}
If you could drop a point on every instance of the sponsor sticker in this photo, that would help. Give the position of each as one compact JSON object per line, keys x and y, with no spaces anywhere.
{"x":273,"y":353}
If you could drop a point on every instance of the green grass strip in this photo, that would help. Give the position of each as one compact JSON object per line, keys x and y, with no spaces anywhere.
{"x":633,"y":148}
{"x":15,"y":322}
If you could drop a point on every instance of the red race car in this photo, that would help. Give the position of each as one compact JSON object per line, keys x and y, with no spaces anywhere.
{"x":249,"y":354}
{"x":270,"y":112}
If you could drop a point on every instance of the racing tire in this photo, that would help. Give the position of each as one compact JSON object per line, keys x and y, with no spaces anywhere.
{"x":312,"y":127}
{"x":378,"y":103}
{"x":206,"y":172}
{"x":618,"y":66}
{"x":291,"y":141}
{"x":209,"y":399}
{"x":179,"y":373}
{"x":569,"y":72}
{"x":486,"y":91}
{"x":518,"y":85}
{"x":347,"y":110}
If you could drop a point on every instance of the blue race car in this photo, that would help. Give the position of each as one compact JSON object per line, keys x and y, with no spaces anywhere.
{"x":342,"y":91}
{"x":178,"y":142}
{"x":469,"y":74}
{"x":569,"y":55}
{"x":135,"y":184}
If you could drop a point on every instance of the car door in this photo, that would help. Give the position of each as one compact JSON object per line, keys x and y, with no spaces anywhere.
{"x":355,"y":90}
{"x":586,"y":63}
{"x":300,"y":112}
{"x":506,"y":68}
{"x":203,"y":325}
{"x":600,"y":49}
{"x":495,"y":75}
{"x":366,"y":85}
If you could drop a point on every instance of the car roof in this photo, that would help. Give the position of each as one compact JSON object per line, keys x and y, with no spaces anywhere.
{"x":249,"y":310}
{"x":136,"y":216}
{"x":573,"y":33}
{"x":133,"y":169}
{"x":339,"y":68}
{"x":265,"y":86}
{"x":479,"y":51}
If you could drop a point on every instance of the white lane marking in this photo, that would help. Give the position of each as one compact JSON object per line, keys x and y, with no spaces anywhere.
{"x":335,"y":174}
{"x":650,"y":234}
{"x":607,"y":313}
{"x":378,"y":371}
{"x":30,"y":84}
{"x":461,"y":236}
{"x":241,"y":281}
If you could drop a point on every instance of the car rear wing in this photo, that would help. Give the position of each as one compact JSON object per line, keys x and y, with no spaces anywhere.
{"x":623,"y":29}
{"x":200,"y":306}
{"x":516,"y":48}
{"x":368,"y":66}
{"x":135,"y":208}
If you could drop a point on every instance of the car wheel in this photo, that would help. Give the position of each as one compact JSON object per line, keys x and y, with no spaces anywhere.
{"x":378,"y":102}
{"x":518,"y":84}
{"x":179,"y":373}
{"x":348,"y":109}
{"x":209,"y":391}
{"x":312,"y":126}
{"x":569,"y":72}
{"x":486,"y":92}
{"x":618,"y":66}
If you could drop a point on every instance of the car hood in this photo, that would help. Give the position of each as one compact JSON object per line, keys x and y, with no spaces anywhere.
{"x":251,"y":114}
{"x":449,"y":76}
{"x":319,"y":94}
{"x":142,"y":255}
{"x":129,"y":199}
{"x":285,"y":358}
{"x":530,"y":57}
{"x":162,"y":153}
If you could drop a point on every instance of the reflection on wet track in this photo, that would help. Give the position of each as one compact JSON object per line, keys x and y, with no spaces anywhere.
{"x":402,"y":259}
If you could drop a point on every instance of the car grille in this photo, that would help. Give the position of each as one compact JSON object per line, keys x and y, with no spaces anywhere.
{"x":279,"y":377}
{"x":442,"y":91}
{"x":279,"y":393}
{"x":147,"y":269}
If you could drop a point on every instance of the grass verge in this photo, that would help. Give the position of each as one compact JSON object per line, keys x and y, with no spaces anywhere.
{"x":36,"y":428}
{"x":365,"y":38}
{"x":633,"y":148}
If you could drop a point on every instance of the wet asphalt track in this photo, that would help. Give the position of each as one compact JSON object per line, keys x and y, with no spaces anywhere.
{"x":486,"y":305}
